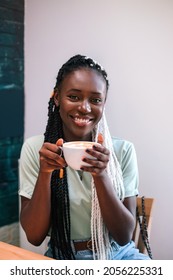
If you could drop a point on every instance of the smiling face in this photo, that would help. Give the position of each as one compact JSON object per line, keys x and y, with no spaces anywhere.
{"x":81,"y":99}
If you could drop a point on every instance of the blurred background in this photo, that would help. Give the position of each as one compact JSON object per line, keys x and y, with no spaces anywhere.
{"x":133,"y":40}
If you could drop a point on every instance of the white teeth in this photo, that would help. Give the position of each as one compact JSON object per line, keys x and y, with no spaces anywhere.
{"x":81,"y":120}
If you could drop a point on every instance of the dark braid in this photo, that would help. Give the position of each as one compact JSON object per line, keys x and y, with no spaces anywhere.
{"x":60,"y":211}
{"x":77,"y":62}
{"x":53,"y":125}
{"x":60,"y":237}
{"x":60,"y":214}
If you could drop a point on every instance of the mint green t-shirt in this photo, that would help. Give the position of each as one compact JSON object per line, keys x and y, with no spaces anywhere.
{"x":79,"y":190}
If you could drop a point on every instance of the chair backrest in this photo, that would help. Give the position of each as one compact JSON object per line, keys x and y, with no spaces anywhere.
{"x":145,"y":220}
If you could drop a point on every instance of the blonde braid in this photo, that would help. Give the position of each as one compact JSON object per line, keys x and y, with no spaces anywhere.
{"x":99,"y":232}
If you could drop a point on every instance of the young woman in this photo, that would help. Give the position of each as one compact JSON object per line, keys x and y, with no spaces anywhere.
{"x":90,"y":213}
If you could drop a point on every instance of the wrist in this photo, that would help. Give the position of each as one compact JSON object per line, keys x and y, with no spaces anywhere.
{"x":100,"y":176}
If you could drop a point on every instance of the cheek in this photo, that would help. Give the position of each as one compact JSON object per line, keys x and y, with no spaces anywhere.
{"x":63,"y":106}
{"x":99,"y":113}
{"x":62,"y":112}
{"x":100,"y":110}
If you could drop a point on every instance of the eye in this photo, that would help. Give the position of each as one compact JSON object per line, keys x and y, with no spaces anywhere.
{"x":73,"y":97}
{"x":96,"y":100}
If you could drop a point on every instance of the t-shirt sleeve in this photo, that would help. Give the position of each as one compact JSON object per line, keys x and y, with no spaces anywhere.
{"x":127,"y":158}
{"x":29,"y":167}
{"x":130,"y":172}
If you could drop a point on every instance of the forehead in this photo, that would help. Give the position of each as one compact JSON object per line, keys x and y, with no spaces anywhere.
{"x":84,"y":79}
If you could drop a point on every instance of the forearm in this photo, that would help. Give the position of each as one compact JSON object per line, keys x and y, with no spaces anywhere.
{"x":118,"y":219}
{"x":35,"y":213}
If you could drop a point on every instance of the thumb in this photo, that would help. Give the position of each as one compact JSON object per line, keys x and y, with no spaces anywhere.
{"x":59,"y":142}
{"x":100,"y":138}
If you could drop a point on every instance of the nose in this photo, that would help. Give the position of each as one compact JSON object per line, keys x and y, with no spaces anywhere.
{"x":85,"y":107}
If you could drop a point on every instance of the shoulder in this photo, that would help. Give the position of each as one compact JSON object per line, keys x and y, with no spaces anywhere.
{"x":122,"y":147}
{"x":124,"y":150}
{"x":32,"y":145}
{"x":34,"y":142}
{"x":121,"y":143}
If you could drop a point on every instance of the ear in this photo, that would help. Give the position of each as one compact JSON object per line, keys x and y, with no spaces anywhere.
{"x":56,"y":98}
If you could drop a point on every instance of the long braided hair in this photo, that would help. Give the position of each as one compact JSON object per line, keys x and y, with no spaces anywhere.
{"x":60,"y":213}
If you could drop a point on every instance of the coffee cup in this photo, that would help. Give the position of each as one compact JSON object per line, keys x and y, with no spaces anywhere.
{"x":75,"y":151}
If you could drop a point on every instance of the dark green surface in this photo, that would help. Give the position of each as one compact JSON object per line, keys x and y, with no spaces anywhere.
{"x":12,"y":113}
{"x":12,"y":105}
{"x":9,"y":154}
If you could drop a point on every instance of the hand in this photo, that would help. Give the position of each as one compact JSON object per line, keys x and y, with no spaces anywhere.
{"x":101,"y":154}
{"x":51,"y":156}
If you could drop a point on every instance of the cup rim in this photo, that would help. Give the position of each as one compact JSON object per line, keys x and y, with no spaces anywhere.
{"x":66,"y":144}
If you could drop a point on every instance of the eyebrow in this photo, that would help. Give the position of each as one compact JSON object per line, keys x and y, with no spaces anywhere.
{"x":78,"y":90}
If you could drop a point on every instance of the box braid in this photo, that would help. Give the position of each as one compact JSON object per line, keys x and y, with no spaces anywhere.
{"x":77,"y":62}
{"x":60,"y":213}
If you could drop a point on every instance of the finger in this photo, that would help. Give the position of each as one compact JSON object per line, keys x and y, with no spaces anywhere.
{"x":94,"y":164}
{"x":100,"y":138}
{"x":92,"y":169}
{"x":49,"y":147}
{"x":51,"y":152}
{"x":58,"y":163}
{"x":59,"y":142}
{"x":98,"y":151}
{"x":53,"y":160}
{"x":59,"y":151}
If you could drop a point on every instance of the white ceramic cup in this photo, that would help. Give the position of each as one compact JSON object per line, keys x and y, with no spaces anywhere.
{"x":74,"y":152}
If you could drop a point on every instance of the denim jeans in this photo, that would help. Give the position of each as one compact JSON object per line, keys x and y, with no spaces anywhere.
{"x":127,"y":252}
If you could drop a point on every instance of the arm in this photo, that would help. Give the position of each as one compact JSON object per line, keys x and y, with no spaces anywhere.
{"x":35,"y":212}
{"x":118,"y":217}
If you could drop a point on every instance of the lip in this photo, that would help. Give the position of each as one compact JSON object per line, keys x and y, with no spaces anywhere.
{"x":79,"y":121}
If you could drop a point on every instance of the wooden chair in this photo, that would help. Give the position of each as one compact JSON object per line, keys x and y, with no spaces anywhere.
{"x":146,"y":204}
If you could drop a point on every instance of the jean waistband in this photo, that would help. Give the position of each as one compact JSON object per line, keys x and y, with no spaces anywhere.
{"x":81,"y":245}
